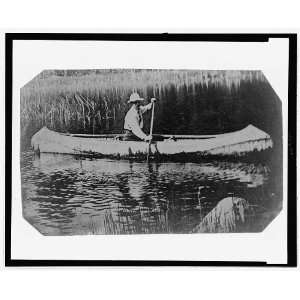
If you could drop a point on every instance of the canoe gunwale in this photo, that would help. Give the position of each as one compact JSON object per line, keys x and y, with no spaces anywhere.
{"x":165,"y":136}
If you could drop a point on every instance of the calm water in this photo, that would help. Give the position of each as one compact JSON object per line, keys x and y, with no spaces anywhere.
{"x":67,"y":196}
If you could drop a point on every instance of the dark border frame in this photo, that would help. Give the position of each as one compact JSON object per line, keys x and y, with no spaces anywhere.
{"x":292,"y":111}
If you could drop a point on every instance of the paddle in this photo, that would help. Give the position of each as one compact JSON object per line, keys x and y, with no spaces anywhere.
{"x":151,"y":129}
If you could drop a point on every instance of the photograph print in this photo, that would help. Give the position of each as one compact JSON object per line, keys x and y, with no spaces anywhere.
{"x":150,"y":151}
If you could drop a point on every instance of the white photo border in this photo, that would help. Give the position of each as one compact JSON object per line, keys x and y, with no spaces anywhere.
{"x":15,"y":257}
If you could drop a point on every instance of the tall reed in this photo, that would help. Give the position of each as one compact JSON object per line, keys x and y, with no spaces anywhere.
{"x":95,"y":101}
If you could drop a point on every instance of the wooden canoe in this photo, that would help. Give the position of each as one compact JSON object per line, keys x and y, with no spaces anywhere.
{"x":238,"y":143}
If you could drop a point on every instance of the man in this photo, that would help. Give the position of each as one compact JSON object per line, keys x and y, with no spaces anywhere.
{"x":133,"y":124}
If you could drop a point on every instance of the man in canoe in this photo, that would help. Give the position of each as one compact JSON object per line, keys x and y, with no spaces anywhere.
{"x":133,"y":124}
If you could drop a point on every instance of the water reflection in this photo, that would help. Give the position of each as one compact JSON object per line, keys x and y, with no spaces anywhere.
{"x":64,"y":196}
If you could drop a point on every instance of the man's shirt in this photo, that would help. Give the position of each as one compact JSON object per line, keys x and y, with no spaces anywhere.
{"x":134,"y":120}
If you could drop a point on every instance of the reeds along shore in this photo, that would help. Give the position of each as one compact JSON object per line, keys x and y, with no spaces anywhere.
{"x":190,"y":102}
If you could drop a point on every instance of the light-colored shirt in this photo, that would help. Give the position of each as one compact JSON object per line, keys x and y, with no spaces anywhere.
{"x":134,"y":120}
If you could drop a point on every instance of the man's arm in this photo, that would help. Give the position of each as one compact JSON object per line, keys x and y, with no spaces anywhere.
{"x":139,"y":132}
{"x":148,"y":106}
{"x":145,"y":107}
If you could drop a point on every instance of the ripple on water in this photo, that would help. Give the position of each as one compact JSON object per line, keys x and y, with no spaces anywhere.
{"x":63,"y":195}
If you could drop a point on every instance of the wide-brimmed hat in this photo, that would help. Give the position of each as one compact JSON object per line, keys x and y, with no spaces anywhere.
{"x":135,"y":97}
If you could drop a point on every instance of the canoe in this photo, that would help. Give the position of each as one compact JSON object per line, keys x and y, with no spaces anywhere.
{"x":238,"y":143}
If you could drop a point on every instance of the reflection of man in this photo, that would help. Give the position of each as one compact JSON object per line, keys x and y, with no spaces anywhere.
{"x":133,"y":124}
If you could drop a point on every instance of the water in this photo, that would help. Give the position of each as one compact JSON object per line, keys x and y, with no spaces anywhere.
{"x":62,"y":195}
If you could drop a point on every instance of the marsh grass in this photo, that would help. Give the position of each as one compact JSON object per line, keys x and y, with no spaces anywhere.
{"x":127,"y":221}
{"x":95,"y":101}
